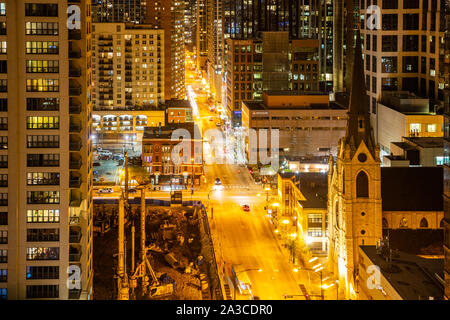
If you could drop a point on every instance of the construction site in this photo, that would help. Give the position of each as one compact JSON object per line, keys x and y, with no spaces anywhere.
{"x":152,"y":252}
{"x":153,"y":249}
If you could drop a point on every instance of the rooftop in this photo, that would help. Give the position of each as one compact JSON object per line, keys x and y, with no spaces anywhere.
{"x":165,"y":132}
{"x":259,"y":105}
{"x":313,"y":186}
{"x":412,"y":188}
{"x":412,"y":277}
{"x":426,"y":142}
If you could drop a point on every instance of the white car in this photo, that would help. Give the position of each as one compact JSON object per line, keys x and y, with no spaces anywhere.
{"x":106,"y":190}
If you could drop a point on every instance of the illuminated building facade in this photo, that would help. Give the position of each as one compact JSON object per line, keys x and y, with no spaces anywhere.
{"x":118,"y":11}
{"x":354,"y":194}
{"x":46,"y":191}
{"x":168,"y":15}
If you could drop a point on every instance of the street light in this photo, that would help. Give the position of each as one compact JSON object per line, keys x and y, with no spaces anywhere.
{"x":192,"y":177}
{"x":236,"y":280}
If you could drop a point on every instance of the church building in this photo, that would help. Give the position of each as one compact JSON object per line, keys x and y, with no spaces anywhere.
{"x":354,"y":194}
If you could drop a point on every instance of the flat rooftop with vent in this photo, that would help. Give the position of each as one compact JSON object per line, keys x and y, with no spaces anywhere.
{"x":402,"y":276}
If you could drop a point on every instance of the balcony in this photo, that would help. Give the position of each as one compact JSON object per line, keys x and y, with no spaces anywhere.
{"x":75,"y":164}
{"x":75,"y":257}
{"x":75,"y":72}
{"x":75,"y":145}
{"x":75,"y":182}
{"x":75,"y":198}
{"x":75,"y":235}
{"x":74,"y":221}
{"x":75,"y":127}
{"x":74,"y":294}
{"x":74,"y":54}
{"x":75,"y":91}
{"x":74,"y":108}
{"x":74,"y":34}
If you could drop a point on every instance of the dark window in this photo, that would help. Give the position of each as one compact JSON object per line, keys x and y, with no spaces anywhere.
{"x":42,"y":197}
{"x":389,"y":22}
{"x":362,"y":185}
{"x":410,"y":4}
{"x":423,"y":65}
{"x":42,"y":235}
{"x":410,"y":43}
{"x":42,"y":272}
{"x":3,"y":105}
{"x":424,"y":223}
{"x":367,"y":41}
{"x":374,"y":84}
{"x":424,"y":43}
{"x":374,"y":64}
{"x":374,"y":106}
{"x":385,"y":223}
{"x":3,"y":28}
{"x":374,"y":43}
{"x":432,"y":44}
{"x":3,"y":85}
{"x":43,"y":160}
{"x":390,"y":4}
{"x":367,"y":58}
{"x":410,"y":84}
{"x":410,"y":64}
{"x":41,"y":10}
{"x":3,"y":161}
{"x":3,"y":66}
{"x":3,"y":218}
{"x":389,"y":43}
{"x":42,"y":141}
{"x":42,"y":291}
{"x":42,"y":104}
{"x":410,"y":21}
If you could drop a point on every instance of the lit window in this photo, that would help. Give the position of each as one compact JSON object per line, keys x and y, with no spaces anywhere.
{"x":431,"y":127}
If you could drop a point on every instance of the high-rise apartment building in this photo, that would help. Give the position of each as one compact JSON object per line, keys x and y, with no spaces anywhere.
{"x":169,"y":16}
{"x":446,"y":71}
{"x":128,"y":77}
{"x":119,"y":10}
{"x":190,"y":14}
{"x":269,"y":63}
{"x":46,"y":151}
{"x":405,"y":53}
{"x":215,"y":43}
{"x":201,"y":42}
{"x":345,"y":23}
{"x":317,"y":23}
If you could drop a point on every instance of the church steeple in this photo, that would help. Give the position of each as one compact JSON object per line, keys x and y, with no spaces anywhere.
{"x":358,"y":124}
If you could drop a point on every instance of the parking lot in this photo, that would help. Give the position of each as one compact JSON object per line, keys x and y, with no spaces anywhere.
{"x":108,"y":166}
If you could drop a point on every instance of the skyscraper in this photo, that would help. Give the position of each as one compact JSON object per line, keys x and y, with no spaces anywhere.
{"x":169,"y":16}
{"x":446,"y":72}
{"x":118,"y":10}
{"x":46,"y":151}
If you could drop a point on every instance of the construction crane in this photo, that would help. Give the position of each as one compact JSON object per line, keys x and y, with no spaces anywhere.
{"x":125,"y":284}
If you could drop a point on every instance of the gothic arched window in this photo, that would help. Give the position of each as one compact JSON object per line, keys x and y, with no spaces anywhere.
{"x":424,"y":223}
{"x":362,"y":185}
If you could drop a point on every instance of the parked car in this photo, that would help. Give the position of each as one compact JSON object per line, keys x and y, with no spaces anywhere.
{"x":217,"y":182}
{"x":96,"y":164}
{"x":106,"y":190}
{"x":245,"y":207}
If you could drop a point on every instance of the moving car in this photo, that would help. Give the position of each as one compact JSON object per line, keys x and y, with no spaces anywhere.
{"x":132,"y":190}
{"x":218,"y":124}
{"x":106,"y":190}
{"x":245,"y":207}
{"x":218,"y":182}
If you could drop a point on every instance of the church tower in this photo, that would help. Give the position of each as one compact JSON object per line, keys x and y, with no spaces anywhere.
{"x":354,"y":194}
